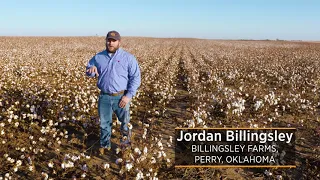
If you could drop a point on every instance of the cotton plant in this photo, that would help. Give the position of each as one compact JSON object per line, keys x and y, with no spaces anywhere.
{"x":45,"y":99}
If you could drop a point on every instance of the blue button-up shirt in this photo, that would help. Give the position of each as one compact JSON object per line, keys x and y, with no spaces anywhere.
{"x":116,"y":73}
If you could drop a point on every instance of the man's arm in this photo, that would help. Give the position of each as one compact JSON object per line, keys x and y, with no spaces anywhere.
{"x":134,"y":78}
{"x":90,"y":64}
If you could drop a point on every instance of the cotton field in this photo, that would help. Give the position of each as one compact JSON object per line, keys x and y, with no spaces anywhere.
{"x":49,"y":124}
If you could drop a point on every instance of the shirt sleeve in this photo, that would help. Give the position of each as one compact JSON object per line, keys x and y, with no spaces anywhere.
{"x":134,"y":77}
{"x":89,"y":65}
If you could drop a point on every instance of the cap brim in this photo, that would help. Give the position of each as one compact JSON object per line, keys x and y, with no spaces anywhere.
{"x":117,"y":39}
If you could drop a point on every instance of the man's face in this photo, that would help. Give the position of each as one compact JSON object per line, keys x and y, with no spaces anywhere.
{"x":112,"y":45}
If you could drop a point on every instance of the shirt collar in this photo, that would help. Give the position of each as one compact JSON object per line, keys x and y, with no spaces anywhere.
{"x":107,"y":52}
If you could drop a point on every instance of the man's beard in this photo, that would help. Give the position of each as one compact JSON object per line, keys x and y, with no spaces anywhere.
{"x":112,"y":49}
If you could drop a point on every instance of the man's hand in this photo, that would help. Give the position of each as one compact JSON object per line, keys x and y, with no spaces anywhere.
{"x":93,"y":69}
{"x":124,"y":101}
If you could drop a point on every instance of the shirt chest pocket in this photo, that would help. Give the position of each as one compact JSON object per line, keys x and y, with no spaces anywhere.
{"x":121,"y":68}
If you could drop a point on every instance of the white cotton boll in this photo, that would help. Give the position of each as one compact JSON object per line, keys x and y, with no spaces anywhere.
{"x":159,"y":154}
{"x":118,"y":161}
{"x":69,"y":164}
{"x":279,"y":177}
{"x":130,"y":126}
{"x":85,"y":167}
{"x":168,"y":144}
{"x":19,"y":163}
{"x":43,"y":130}
{"x":191,"y":124}
{"x":129,"y":166}
{"x":145,"y":150}
{"x":266,"y":172}
{"x":118,"y":122}
{"x":142,"y":158}
{"x":63,"y":165}
{"x":50,"y":164}
{"x":153,"y":160}
{"x":30,"y":168}
{"x":131,"y":156}
{"x":45,"y":175}
{"x":257,"y":105}
{"x":32,"y":108}
{"x":74,"y":158}
{"x":106,"y":166}
{"x":118,"y":150}
{"x":137,"y":151}
{"x":164,"y":154}
{"x":199,"y":120}
{"x":35,"y":151}
{"x":66,"y":156}
{"x":12,"y":161}
{"x":139,"y":175}
{"x":144,"y":136}
{"x":15,"y":168}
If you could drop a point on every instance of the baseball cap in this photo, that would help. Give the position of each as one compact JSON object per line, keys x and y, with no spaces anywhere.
{"x":113,"y":35}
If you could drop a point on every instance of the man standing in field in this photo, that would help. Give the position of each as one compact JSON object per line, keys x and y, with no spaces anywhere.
{"x":119,"y":77}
